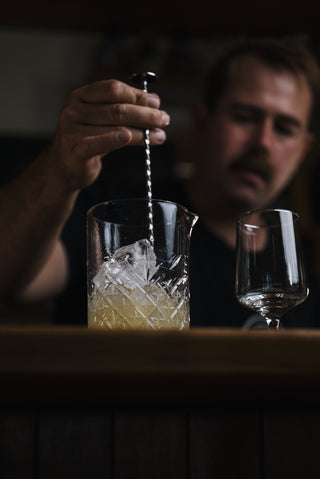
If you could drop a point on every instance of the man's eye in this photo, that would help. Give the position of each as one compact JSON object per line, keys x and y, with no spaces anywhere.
{"x":283,"y":129}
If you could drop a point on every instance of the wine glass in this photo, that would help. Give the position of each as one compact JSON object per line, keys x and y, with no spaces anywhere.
{"x":270,"y":273}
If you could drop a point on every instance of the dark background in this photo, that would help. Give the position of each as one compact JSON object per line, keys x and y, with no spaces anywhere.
{"x":47,"y":50}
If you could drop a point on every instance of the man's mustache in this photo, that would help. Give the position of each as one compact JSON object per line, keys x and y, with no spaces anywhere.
{"x":256,"y":161}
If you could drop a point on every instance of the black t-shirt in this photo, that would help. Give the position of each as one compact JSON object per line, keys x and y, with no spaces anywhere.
{"x":212,"y":270}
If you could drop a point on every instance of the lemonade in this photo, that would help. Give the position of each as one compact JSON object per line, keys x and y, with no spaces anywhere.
{"x":150,"y":307}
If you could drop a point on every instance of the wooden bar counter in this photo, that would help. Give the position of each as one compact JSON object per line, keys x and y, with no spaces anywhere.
{"x":207,"y":403}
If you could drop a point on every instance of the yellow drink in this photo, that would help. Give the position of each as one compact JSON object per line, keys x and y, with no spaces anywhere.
{"x":150,"y":307}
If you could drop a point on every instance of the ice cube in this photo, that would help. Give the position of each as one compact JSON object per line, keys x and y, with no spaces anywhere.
{"x":130,"y":266}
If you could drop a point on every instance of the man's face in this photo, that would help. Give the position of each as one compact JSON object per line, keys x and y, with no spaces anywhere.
{"x":251,"y":145}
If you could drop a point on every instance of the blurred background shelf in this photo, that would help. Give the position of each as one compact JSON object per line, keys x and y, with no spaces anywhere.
{"x":197,"y":17}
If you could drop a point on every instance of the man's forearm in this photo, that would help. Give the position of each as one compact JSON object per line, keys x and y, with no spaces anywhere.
{"x":33,"y":211}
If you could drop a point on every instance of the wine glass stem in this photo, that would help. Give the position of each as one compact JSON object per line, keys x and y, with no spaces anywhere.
{"x":273,"y":323}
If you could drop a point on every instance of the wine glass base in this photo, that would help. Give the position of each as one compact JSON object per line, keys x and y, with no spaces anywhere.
{"x":273,"y":323}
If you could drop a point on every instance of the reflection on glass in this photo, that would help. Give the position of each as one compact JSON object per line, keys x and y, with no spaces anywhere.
{"x":270,"y":274}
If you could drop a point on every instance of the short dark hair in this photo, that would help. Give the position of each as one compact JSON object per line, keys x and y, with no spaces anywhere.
{"x":288,"y":54}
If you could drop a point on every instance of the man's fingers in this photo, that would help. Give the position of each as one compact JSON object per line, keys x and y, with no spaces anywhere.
{"x":109,"y":104}
{"x":119,"y":114}
{"x":114,"y":91}
{"x":136,"y":136}
{"x":91,"y":146}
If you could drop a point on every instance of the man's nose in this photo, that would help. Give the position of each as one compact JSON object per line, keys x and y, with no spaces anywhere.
{"x":264,"y":134}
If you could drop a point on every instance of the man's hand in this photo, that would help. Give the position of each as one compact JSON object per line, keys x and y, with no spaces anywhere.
{"x":98,"y":119}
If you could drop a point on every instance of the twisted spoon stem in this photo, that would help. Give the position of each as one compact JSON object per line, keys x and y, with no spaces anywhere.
{"x":143,"y":79}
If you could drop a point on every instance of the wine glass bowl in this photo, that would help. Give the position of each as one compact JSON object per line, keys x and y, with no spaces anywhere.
{"x":270,"y":272}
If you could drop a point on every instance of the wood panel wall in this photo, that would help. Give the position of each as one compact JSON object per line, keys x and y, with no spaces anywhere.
{"x":205,"y":404}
